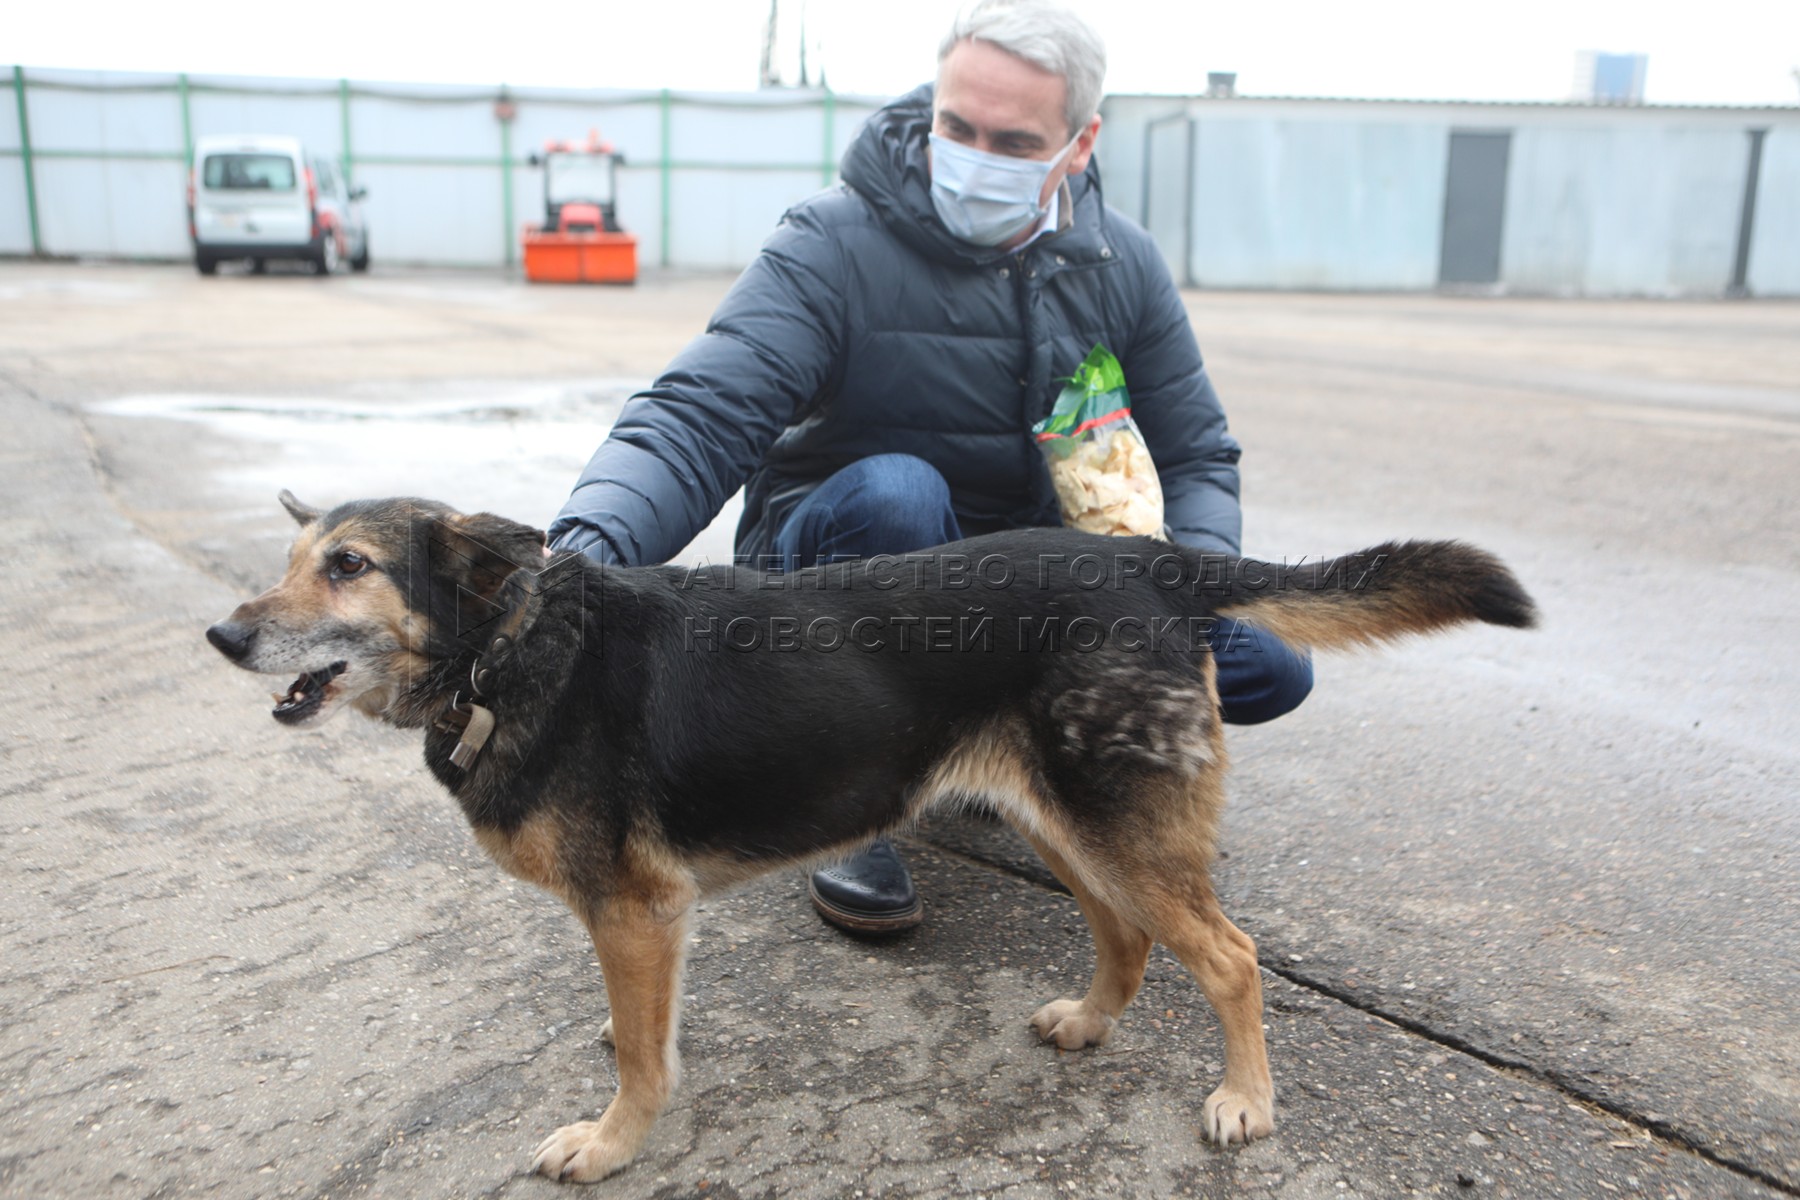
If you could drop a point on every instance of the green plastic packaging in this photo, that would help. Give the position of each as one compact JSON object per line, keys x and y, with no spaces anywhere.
{"x":1104,"y":476}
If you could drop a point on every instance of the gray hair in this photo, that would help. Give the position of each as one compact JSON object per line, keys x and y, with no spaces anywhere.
{"x":1047,"y":35}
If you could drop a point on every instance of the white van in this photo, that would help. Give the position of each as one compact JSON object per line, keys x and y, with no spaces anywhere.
{"x":260,"y":197}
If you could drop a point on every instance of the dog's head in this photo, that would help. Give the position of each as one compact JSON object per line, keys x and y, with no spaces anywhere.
{"x":382,"y":600}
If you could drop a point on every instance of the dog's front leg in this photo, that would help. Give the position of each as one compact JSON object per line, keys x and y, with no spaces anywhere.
{"x":641,"y":955}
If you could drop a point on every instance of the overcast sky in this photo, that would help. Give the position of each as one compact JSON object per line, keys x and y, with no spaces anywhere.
{"x":1721,"y":52}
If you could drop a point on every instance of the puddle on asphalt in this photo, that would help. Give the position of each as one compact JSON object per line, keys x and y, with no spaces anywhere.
{"x":88,"y":291}
{"x":441,"y":290}
{"x":509,"y":448}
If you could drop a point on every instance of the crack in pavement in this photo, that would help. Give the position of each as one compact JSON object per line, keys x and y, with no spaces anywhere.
{"x":427,"y":1108}
{"x":1563,"y":1084}
{"x":1569,"y":1086}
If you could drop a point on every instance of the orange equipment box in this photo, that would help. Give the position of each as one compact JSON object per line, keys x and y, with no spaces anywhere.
{"x":596,"y":257}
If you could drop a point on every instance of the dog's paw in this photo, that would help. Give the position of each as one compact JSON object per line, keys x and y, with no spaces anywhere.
{"x":1071,"y":1024}
{"x":606,"y":1033}
{"x":581,"y":1153}
{"x":1233,"y":1117}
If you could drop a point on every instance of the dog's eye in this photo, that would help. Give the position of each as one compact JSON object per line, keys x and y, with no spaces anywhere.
{"x":349,"y":565}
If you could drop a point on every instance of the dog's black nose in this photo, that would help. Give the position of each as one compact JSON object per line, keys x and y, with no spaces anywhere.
{"x":231,"y":639}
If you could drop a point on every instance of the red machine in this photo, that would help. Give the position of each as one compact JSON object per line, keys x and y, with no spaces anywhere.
{"x":580,"y":240}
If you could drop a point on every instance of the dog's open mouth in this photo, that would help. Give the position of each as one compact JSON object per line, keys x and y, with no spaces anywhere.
{"x":306,"y":694}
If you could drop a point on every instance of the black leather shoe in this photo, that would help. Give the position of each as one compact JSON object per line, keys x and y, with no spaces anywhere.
{"x":868,"y":893}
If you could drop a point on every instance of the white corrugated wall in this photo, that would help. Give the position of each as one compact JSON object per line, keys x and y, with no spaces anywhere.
{"x":108,"y":160}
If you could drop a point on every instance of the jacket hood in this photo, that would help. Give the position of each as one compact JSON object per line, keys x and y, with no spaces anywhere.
{"x":887,"y":165}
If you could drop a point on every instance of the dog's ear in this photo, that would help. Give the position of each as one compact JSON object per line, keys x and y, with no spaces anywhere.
{"x":305,"y":514}
{"x":483,"y":550}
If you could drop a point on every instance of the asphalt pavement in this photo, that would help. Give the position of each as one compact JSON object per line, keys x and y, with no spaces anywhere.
{"x":1528,"y":904}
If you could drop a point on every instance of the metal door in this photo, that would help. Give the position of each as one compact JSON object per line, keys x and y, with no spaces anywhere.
{"x":1474,"y":206}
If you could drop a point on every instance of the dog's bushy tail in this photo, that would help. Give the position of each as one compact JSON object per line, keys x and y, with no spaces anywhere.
{"x":1384,"y":592}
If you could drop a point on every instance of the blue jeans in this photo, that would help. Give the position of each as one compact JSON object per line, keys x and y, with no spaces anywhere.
{"x":893,"y":503}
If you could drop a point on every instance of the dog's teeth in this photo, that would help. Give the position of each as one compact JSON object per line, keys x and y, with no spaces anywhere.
{"x":278,"y":697}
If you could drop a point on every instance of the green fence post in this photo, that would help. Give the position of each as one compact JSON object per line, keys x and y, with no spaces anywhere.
{"x":187,"y":121}
{"x":503,"y":110}
{"x":37,"y":241}
{"x":668,"y":136}
{"x":344,"y":157}
{"x":830,"y":167}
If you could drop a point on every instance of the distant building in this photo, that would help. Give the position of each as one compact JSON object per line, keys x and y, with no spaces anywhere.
{"x":1221,"y":85}
{"x":1579,"y":199}
{"x":1609,"y":78}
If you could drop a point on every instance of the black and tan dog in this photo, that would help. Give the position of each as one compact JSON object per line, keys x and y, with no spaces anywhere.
{"x":633,"y":740}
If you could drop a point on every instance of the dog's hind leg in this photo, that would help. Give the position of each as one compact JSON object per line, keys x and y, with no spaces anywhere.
{"x":1120,"y":951}
{"x":641,"y":951}
{"x":1181,"y":911}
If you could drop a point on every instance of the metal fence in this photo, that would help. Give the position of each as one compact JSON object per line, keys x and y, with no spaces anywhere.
{"x":1243,"y":192}
{"x":95,"y":163}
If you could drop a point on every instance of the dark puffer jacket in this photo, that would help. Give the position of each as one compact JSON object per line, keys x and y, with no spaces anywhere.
{"x":864,"y":328}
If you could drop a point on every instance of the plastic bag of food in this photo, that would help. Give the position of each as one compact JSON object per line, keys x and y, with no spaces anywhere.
{"x":1105,"y":480}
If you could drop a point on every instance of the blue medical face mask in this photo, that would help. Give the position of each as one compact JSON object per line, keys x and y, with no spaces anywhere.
{"x":987,"y":199}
